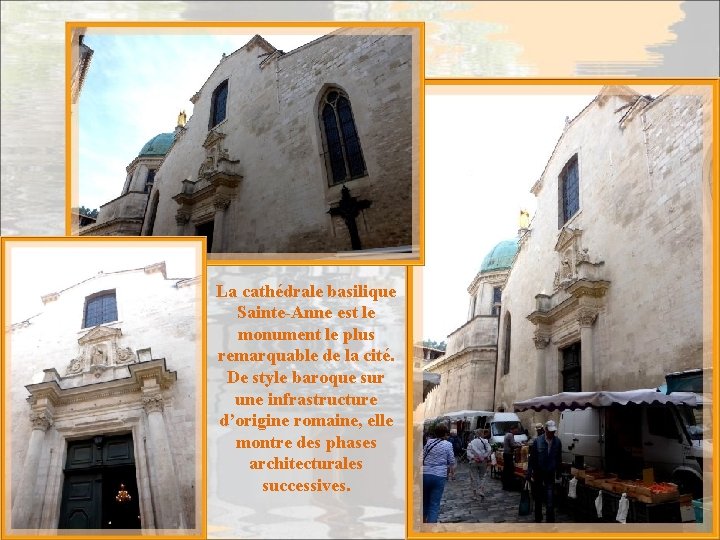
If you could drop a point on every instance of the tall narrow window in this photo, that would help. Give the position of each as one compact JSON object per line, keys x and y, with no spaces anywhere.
{"x":149,"y":180}
{"x":568,"y":191}
{"x":344,"y":154}
{"x":153,"y":213}
{"x":100,"y":308}
{"x":506,"y":351}
{"x":497,"y":298}
{"x":219,"y":103}
{"x":571,"y":376}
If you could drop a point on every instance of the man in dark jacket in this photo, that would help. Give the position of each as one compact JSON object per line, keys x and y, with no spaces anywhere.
{"x":543,"y":467}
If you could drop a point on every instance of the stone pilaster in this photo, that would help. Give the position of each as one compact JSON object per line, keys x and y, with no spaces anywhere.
{"x":220,"y":202}
{"x":586,"y":318}
{"x":541,"y":365}
{"x":181,"y":220}
{"x":27,"y":502}
{"x":165,"y":487}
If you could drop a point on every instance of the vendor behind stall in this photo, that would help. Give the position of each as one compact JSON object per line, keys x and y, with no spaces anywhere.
{"x":543,"y":466}
{"x":509,"y":446}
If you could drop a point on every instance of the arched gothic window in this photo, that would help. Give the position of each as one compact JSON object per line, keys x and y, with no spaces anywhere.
{"x":506,"y":348}
{"x":219,"y":103}
{"x":342,"y":144}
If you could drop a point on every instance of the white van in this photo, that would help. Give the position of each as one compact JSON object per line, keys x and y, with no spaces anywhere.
{"x":502,"y":422}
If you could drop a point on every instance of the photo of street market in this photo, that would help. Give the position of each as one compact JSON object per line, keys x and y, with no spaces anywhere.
{"x":578,"y":388}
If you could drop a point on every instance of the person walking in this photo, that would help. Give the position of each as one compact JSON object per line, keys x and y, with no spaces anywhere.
{"x":509,"y":446}
{"x":543,"y":467}
{"x":478,"y":453}
{"x":438,"y":466}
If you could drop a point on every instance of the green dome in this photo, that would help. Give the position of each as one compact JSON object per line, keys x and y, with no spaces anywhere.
{"x":500,"y":257}
{"x":158,"y":145}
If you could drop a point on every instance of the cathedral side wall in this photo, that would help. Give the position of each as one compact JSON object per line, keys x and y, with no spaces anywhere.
{"x":271,"y":127}
{"x":640,"y":213}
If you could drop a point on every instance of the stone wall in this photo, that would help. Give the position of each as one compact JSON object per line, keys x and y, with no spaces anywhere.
{"x":466,"y":370}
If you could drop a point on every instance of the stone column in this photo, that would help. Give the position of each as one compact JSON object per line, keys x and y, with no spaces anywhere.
{"x":541,"y":365}
{"x":221,"y":202}
{"x":165,"y":487}
{"x":27,"y":502}
{"x":587,"y":362}
{"x":181,"y":219}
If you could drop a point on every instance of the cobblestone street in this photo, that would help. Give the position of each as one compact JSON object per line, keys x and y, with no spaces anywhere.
{"x":498,"y":506}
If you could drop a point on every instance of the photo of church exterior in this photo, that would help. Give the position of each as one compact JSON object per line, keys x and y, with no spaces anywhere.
{"x":103,"y":406}
{"x":608,"y":286}
{"x":313,"y":150}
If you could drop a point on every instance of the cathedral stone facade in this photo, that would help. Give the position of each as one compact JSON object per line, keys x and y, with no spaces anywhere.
{"x":606,"y":292}
{"x":608,"y":288}
{"x":104,"y":400}
{"x":303,"y":151}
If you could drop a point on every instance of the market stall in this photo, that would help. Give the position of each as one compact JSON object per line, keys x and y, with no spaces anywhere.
{"x":603,"y":461}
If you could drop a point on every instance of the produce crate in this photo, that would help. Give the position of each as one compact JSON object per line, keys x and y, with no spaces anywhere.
{"x":667,"y":512}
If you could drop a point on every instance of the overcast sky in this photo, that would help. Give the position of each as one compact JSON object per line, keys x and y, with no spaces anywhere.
{"x":136,"y":86}
{"x":74,"y":261}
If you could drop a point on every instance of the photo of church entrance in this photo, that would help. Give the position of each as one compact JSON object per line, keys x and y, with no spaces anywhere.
{"x":100,"y":488}
{"x":103,"y":397}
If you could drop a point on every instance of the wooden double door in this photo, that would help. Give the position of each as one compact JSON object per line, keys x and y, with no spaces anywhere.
{"x":100,"y":487}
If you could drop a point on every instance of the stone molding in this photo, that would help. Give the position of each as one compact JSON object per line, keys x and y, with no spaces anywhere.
{"x":444,"y":360}
{"x":55,"y":392}
{"x":583,"y":293}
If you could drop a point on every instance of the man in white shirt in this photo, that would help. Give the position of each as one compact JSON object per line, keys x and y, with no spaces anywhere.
{"x":478,"y":453}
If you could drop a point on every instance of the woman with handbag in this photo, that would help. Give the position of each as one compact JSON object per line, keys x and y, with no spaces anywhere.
{"x":478,"y":453}
{"x":438,"y":465}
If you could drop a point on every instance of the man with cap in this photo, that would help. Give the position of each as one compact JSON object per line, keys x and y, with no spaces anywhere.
{"x":539,"y":432}
{"x":543,"y":466}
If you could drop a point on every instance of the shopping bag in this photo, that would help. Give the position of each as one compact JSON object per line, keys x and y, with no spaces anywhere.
{"x":524,"y":509}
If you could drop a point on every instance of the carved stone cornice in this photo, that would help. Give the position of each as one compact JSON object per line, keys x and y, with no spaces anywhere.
{"x":217,"y":182}
{"x":583,"y":293}
{"x":585,"y":287}
{"x":56,"y":391}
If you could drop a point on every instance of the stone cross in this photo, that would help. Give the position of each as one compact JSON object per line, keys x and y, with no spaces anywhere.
{"x":349,"y":209}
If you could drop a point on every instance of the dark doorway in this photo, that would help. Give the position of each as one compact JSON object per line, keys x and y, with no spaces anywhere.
{"x":571,"y":377}
{"x":100,"y":489}
{"x":206,"y":229}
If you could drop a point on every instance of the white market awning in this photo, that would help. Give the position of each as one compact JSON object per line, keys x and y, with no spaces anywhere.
{"x":463,"y":414}
{"x":583,"y":400}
